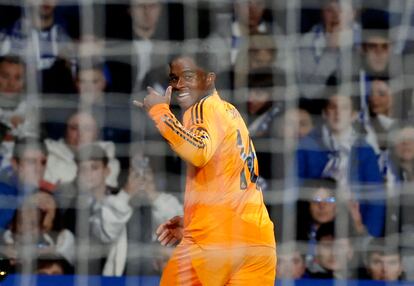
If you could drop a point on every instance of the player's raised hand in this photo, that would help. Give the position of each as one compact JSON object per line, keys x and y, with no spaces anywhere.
{"x":154,"y":98}
{"x":170,"y":232}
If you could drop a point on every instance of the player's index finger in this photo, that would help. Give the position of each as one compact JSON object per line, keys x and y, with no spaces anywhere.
{"x":138,"y":103}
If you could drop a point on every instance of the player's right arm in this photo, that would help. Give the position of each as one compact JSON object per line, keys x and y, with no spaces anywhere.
{"x":195,"y":144}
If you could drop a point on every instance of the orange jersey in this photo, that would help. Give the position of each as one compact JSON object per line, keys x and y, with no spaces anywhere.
{"x":223,"y":206}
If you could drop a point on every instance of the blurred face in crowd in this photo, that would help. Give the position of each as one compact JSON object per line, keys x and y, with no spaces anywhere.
{"x":190,"y":83}
{"x":11,"y":79}
{"x":28,"y":221}
{"x":81,"y":129}
{"x":290,"y":265}
{"x":322,"y":206}
{"x":377,"y":53}
{"x":45,"y":8}
{"x":36,"y":214}
{"x":384,"y":267}
{"x":145,"y":14}
{"x":92,"y":175}
{"x":261,"y":58}
{"x":339,"y":113}
{"x":91,"y":84}
{"x":249,"y":13}
{"x":380,"y":100}
{"x":297,"y":123}
{"x":30,"y":167}
{"x":258,"y":100}
{"x":334,"y":254}
{"x":404,"y":144}
{"x":337,"y":15}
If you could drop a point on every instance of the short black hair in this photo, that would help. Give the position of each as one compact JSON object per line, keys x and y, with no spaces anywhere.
{"x":379,"y":245}
{"x":329,"y":230}
{"x":28,"y":143}
{"x":375,"y":23}
{"x":94,"y":64}
{"x":91,"y":152}
{"x":335,"y":85}
{"x":326,"y":183}
{"x":202,"y":54}
{"x":261,"y":78}
{"x":47,"y":260}
{"x":13,"y":59}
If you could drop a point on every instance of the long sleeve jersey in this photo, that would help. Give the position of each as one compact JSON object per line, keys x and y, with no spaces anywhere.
{"x":223,"y":206}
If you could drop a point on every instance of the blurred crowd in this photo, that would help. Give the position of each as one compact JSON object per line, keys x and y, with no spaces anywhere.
{"x":326,"y":91}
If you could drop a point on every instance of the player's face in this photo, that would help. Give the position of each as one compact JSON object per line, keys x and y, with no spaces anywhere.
{"x":189,"y":82}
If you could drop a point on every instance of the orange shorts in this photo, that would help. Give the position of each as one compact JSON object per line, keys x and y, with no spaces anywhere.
{"x":192,"y":265}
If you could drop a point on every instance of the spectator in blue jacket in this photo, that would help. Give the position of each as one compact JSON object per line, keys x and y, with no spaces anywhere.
{"x":334,"y":150}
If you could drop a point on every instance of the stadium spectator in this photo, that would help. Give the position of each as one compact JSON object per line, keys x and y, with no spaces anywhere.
{"x":38,"y":29}
{"x":290,"y":262}
{"x":147,"y":40}
{"x":334,"y":254}
{"x":383,"y":261}
{"x":52,"y":265}
{"x":81,"y":129}
{"x":121,"y":220}
{"x":260,"y":52}
{"x":263,"y":105}
{"x":327,"y":48}
{"x":15,"y":111}
{"x":25,"y":178}
{"x":108,"y":109}
{"x":150,"y":208}
{"x":376,"y":45}
{"x":288,"y":126}
{"x":334,"y":150}
{"x":295,"y":123}
{"x":263,"y":101}
{"x":96,"y":213}
{"x":402,"y":155}
{"x":36,"y":225}
{"x":377,"y":61}
{"x":43,"y":40}
{"x":320,"y":202}
{"x":382,"y":120}
{"x":249,"y":18}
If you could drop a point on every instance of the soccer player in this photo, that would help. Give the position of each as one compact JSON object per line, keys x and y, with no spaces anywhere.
{"x":225,"y":236}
